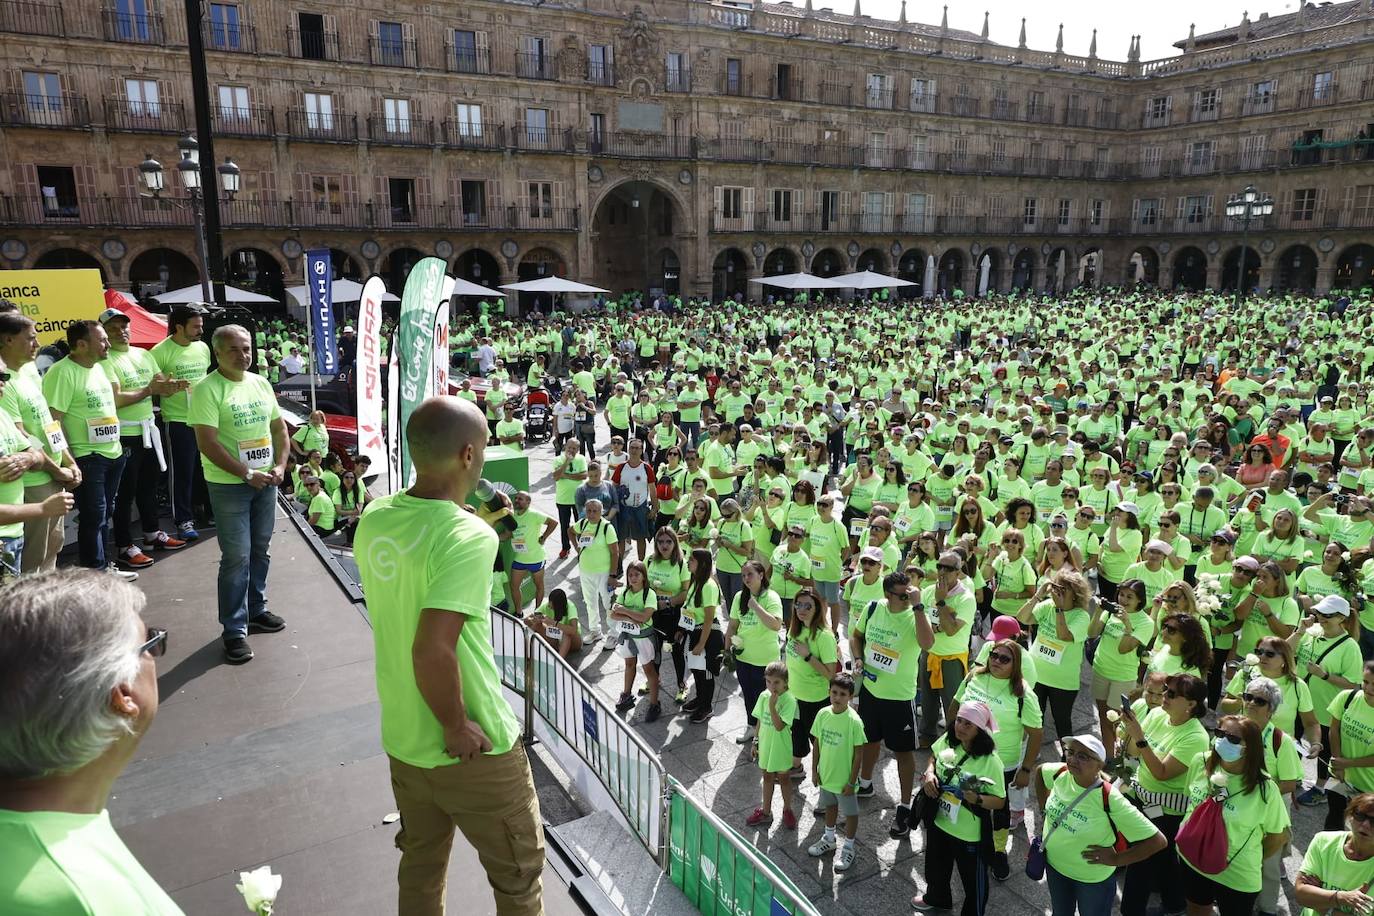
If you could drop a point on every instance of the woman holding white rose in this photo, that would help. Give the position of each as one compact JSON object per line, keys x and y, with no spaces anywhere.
{"x":1273,"y":658}
{"x":1328,"y":659}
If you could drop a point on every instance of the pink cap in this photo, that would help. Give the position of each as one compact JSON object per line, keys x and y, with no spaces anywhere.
{"x":1006,"y":627}
{"x":978,"y":713}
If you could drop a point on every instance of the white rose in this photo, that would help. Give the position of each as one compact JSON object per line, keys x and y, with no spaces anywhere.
{"x":1315,"y":631}
{"x":947,"y":757}
{"x":1252,"y":659}
{"x":1113,"y":716}
{"x":259,"y":888}
{"x":1218,"y":779}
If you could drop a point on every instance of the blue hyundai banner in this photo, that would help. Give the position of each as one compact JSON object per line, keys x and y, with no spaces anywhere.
{"x":319,"y":280}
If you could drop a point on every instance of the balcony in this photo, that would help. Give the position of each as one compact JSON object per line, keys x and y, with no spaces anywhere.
{"x":600,"y":73}
{"x":466,"y":60}
{"x":400,"y":131}
{"x":785,"y":89}
{"x":923,"y":102}
{"x":1204,"y":113}
{"x":1003,"y":110}
{"x":879,"y":98}
{"x":791,"y":152}
{"x":736,"y":84}
{"x":1258,"y":104}
{"x":1039,"y":114}
{"x":734,"y":150}
{"x":835,"y":94}
{"x":837,"y":155}
{"x":540,"y":218}
{"x":532,"y":65}
{"x":145,"y":117}
{"x":392,"y":52}
{"x":962,"y":106}
{"x":145,"y":30}
{"x":335,"y":127}
{"x":542,"y":139}
{"x":26,"y":18}
{"x":1077,"y":117}
{"x":133,"y":212}
{"x":641,"y":146}
{"x":1152,"y":118}
{"x":469,"y":135}
{"x":677,"y":80}
{"x":246,"y":121}
{"x":1318,"y":96}
{"x":313,"y":45}
{"x":18,"y":109}
{"x":225,"y":37}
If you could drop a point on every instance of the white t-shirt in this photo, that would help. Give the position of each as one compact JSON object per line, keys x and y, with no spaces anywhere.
{"x":636,"y":479}
{"x":486,"y":358}
{"x":563,"y":416}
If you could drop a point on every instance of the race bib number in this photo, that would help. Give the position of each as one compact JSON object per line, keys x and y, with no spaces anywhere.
{"x":1049,"y":651}
{"x":255,"y":454}
{"x":882,"y":658}
{"x":903,"y":525}
{"x":858,"y":527}
{"x":950,"y":806}
{"x":555,"y":633}
{"x":100,"y":430}
{"x":629,"y":627}
{"x":817,"y":563}
{"x":584,"y":541}
{"x":57,"y":440}
{"x":518,"y":544}
{"x":688,"y":625}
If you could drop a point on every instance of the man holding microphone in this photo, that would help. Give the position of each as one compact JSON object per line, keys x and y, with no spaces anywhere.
{"x":425,"y":561}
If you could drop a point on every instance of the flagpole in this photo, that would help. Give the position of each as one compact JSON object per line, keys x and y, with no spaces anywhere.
{"x":310,"y":346}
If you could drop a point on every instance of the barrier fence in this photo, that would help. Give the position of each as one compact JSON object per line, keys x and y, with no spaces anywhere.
{"x":718,"y":870}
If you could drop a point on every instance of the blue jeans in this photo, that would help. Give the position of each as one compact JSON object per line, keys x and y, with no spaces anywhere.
{"x":95,"y":501}
{"x":1066,"y":895}
{"x":11,"y":557}
{"x":185,"y":464}
{"x":244,"y":518}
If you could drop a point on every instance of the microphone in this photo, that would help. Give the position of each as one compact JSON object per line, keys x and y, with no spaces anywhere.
{"x":488,"y":495}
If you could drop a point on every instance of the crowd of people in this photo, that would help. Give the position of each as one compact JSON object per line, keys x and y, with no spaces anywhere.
{"x":930,"y":527}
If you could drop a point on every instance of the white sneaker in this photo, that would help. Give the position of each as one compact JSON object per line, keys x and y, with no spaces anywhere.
{"x":126,"y":574}
{"x":821,"y":846}
{"x":845,"y":860}
{"x":592,"y":639}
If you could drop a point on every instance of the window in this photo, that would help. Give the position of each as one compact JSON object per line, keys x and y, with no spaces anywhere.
{"x":599,"y":65}
{"x":469,"y":118}
{"x":734,"y":79}
{"x":533,"y":58}
{"x":1364,"y":202}
{"x":233,"y":103}
{"x":957,"y":204}
{"x":1252,"y":151}
{"x":1035,"y":104}
{"x":539,"y":196}
{"x":1095,"y":210}
{"x":918,"y":152}
{"x":1035,"y":154}
{"x":873,"y":211}
{"x":143,"y":98}
{"x":732,"y":203}
{"x":402,"y":199}
{"x":914,"y":215}
{"x":537,"y":127}
{"x":677,"y":72}
{"x":1150,"y":159}
{"x":782,"y":82}
{"x":473,"y":195}
{"x":396,"y":113}
{"x":999,"y":149}
{"x":830,"y":209}
{"x":1195,"y":209}
{"x":314,"y":41}
{"x":319,"y":111}
{"x":1263,"y":92}
{"x":1304,"y":204}
{"x":879,"y":91}
{"x":57,"y":184}
{"x":132,"y":22}
{"x":1001,"y":108}
{"x":391,"y":48}
{"x":958,"y":147}
{"x":470,"y":52}
{"x":922,"y":94}
{"x":1029,"y":208}
{"x":1323,"y":86}
{"x":1206,"y":104}
{"x":782,"y":205}
{"x":1101,"y":159}
{"x":1065,"y":214}
{"x":997,"y":207}
{"x":877,"y":149}
{"x":1157,"y":110}
{"x":1148,"y":211}
{"x":225,"y":31}
{"x":1200,"y":156}
{"x":596,"y":130}
{"x":42,"y":92}
{"x":324,"y":192}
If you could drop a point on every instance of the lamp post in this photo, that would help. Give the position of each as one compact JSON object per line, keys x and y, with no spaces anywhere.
{"x":188,"y":167}
{"x":1246,"y":207}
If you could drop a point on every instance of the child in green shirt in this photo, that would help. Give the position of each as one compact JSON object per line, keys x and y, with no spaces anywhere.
{"x":776,"y":710}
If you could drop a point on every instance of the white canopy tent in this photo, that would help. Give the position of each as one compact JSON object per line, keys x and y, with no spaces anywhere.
{"x":196,"y":294}
{"x":552,"y":285}
{"x":463,"y":287}
{"x":798,"y":281}
{"x":339,"y":291}
{"x":867,"y":279}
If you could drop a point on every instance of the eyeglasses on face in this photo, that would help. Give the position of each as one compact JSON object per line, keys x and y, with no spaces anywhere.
{"x":1267,"y":653}
{"x":1255,"y":699}
{"x":1083,"y":756}
{"x":1000,"y":658}
{"x":156,"y":644}
{"x":943,"y":568}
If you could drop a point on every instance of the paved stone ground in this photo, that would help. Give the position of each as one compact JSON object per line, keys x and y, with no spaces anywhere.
{"x":707,"y":759}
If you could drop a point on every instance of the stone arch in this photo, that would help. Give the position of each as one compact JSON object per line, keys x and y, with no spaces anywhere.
{"x":632,"y":220}
{"x":1189,"y":269}
{"x":1058,"y":277}
{"x":729,"y":274}
{"x":1023,"y":269}
{"x":160,"y":269}
{"x":536,"y":263}
{"x":949,"y":271}
{"x":1354,"y":268}
{"x":256,"y":270}
{"x":477,"y":265}
{"x":1296,"y":269}
{"x":781,"y":260}
{"x":1088,"y":267}
{"x":829,"y":262}
{"x":396,"y":265}
{"x":68,"y":257}
{"x":995,"y":260}
{"x":1143,"y":266}
{"x":670,"y":269}
{"x":874,"y":259}
{"x":911,"y":266}
{"x":1232,"y":268}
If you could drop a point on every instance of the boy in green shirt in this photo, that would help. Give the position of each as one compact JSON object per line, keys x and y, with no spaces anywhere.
{"x":836,"y":753}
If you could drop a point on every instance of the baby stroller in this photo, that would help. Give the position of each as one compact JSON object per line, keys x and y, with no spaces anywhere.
{"x":538,"y":425}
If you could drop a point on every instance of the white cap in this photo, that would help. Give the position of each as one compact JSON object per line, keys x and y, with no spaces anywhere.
{"x":1332,"y":604}
{"x":1090,"y":743}
{"x":1127,"y":506}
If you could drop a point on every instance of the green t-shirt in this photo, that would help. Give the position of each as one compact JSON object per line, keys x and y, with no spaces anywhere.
{"x":243,"y":413}
{"x":826,"y":542}
{"x":594,"y":540}
{"x":62,"y":864}
{"x":417,"y":554}
{"x":738,"y":533}
{"x":618,"y":411}
{"x":891,"y":653}
{"x":1340,"y":657}
{"x":524,"y":540}
{"x":565,"y":490}
{"x":506,"y":428}
{"x":803,"y":681}
{"x":694,"y":608}
{"x":85,"y":398}
{"x":775,"y":744}
{"x":1183,"y":742}
{"x":1247,"y":815}
{"x":322,"y":504}
{"x":190,"y":363}
{"x":1357,"y":734}
{"x":1114,"y":563}
{"x":1090,"y":822}
{"x":1113,"y":664}
{"x":1059,"y":663}
{"x":12,"y":442}
{"x":1256,"y":628}
{"x":837,"y":735}
{"x":1325,"y":859}
{"x":952,"y":815}
{"x":965,"y":606}
{"x":311,"y":438}
{"x":1013,"y":714}
{"x":666,"y":578}
{"x":634,"y":601}
{"x":23,"y":400}
{"x":133,"y":368}
{"x":796,"y":562}
{"x":1012,"y":576}
{"x":759,"y":644}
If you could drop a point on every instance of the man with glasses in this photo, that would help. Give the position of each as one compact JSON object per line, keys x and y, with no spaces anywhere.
{"x":81,"y":670}
{"x":790,"y":567}
{"x":951,"y":606}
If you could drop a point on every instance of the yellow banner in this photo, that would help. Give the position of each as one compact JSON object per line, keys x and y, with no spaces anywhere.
{"x":54,"y":298}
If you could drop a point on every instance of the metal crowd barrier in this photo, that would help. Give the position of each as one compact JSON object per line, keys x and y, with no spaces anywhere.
{"x":719,"y":870}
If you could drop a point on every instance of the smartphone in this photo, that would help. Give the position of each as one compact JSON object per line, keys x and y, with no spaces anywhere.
{"x":1125,"y":705}
{"x":1255,"y":501}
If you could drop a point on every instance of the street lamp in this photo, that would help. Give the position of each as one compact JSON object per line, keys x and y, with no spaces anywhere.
{"x":1246,"y":207}
{"x":188,"y":168}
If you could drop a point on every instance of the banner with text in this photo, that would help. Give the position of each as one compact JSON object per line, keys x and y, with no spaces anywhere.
{"x":54,"y":299}
{"x":368,"y":372}
{"x":415,"y":339}
{"x":319,"y":281}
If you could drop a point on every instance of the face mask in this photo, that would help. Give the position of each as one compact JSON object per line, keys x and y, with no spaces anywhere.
{"x":1227,"y":750}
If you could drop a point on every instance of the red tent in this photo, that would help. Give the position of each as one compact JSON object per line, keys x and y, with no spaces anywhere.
{"x":145,"y":329}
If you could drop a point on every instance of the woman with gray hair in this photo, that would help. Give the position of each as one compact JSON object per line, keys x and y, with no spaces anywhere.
{"x":1261,"y":699}
{"x":78,"y":690}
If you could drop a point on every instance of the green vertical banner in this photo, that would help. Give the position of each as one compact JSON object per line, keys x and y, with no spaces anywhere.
{"x":706,"y":864}
{"x":416,"y":346}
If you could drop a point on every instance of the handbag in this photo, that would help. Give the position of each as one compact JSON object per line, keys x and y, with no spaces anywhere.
{"x":1035,"y":855}
{"x":1203,"y":840}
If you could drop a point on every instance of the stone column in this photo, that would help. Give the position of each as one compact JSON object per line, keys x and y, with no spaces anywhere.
{"x":1324,"y":277}
{"x":1213,"y":273}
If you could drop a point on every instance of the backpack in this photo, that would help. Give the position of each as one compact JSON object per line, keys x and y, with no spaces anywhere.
{"x":1203,"y":840}
{"x":1119,"y":841}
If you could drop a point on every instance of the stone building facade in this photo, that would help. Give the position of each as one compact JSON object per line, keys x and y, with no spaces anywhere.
{"x":684,"y":145}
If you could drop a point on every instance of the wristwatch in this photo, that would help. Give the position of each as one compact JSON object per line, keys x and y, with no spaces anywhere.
{"x":248,"y":476}
{"x":1142,"y":744}
{"x":809,"y":656}
{"x":1023,"y":769}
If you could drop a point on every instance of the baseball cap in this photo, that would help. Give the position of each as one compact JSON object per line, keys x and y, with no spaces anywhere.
{"x":872,"y":553}
{"x":1129,"y":507}
{"x":111,"y":314}
{"x":1250,"y":564}
{"x":1332,"y":604}
{"x":1006,"y":627}
{"x":1227,"y":535}
{"x":1090,"y":743}
{"x":978,"y":713}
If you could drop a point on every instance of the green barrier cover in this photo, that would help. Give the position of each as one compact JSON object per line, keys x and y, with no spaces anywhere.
{"x":716,"y":878}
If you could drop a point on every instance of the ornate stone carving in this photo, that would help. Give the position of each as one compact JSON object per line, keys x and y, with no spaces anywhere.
{"x":638,"y":54}
{"x":572,"y":63}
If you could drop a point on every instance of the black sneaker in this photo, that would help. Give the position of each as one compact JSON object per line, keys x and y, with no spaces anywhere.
{"x":236,"y":651}
{"x":867,"y":791}
{"x":701,"y":715}
{"x":689,"y":706}
{"x":266,"y":622}
{"x":1001,"y":867}
{"x":654,"y":712}
{"x":901,"y":823}
{"x":626,"y":701}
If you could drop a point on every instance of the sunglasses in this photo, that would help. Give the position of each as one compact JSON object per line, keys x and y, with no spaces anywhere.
{"x":868,"y":562}
{"x":1256,"y":700}
{"x":1169,"y":628}
{"x":1362,"y":817}
{"x":1088,"y":515}
{"x":156,"y":646}
{"x":796,"y":534}
{"x":1267,"y":653}
{"x":1171,"y":694}
{"x":4,"y":376}
{"x":1084,"y":756}
{"x":1000,"y":658}
{"x":943,"y":568}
